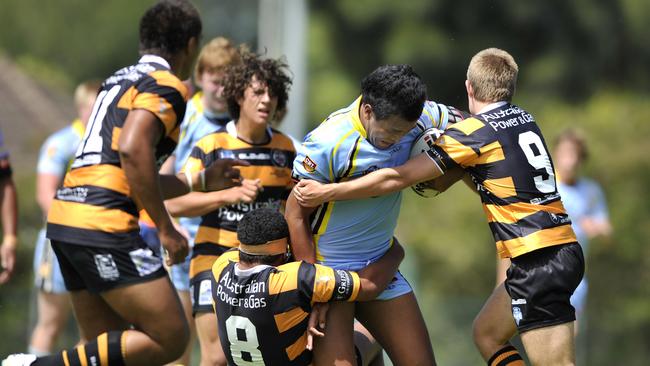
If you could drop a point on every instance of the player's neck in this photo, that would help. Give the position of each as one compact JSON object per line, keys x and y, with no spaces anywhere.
{"x":250,"y":132}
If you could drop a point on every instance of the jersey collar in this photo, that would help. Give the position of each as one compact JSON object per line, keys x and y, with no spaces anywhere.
{"x":250,"y":271}
{"x":231,"y":128}
{"x":356,"y":121}
{"x":492,"y":106}
{"x":154,"y":59}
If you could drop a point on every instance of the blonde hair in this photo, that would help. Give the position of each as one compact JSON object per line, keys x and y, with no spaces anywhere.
{"x":215,"y":56}
{"x":86,"y":91}
{"x":492,"y":73}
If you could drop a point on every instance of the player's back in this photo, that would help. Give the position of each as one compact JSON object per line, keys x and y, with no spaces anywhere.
{"x":263,"y":311}
{"x":504,"y":151}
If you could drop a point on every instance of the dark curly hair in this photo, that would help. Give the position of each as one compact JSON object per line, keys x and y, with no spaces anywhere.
{"x":394,"y":90}
{"x":166,"y":27}
{"x":258,"y":227}
{"x":272,"y":72}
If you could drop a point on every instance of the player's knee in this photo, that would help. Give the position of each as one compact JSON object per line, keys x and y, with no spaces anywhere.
{"x":175,"y":341}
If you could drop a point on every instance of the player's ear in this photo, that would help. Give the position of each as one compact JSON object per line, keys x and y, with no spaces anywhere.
{"x":366,"y":111}
{"x":470,"y":90}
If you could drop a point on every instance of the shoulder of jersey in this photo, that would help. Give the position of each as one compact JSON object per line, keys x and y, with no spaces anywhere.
{"x":282,"y":139}
{"x":335,"y":127}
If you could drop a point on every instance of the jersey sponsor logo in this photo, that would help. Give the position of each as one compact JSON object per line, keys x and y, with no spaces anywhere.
{"x":75,"y":194}
{"x":559,"y":219}
{"x":249,"y":295}
{"x":344,"y":290}
{"x":254,"y":156}
{"x":516,"y":313}
{"x":518,"y":301}
{"x":279,"y":158}
{"x":237,"y":211}
{"x":205,"y":293}
{"x":106,"y":267}
{"x":499,"y":120}
{"x":145,"y":261}
{"x":309,"y":165}
{"x":226,"y":154}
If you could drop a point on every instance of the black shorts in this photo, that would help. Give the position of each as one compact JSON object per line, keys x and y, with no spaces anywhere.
{"x":540,"y":284}
{"x":101,"y":269}
{"x":201,"y":292}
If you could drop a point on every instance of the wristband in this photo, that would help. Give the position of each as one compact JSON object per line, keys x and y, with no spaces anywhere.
{"x":188,"y":177}
{"x":202,"y":179}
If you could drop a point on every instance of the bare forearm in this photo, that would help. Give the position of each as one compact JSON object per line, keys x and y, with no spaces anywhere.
{"x":46,"y":186}
{"x":297,"y":217}
{"x":375,"y":277}
{"x":377,"y":183}
{"x":195,"y":203}
{"x":9,"y":208}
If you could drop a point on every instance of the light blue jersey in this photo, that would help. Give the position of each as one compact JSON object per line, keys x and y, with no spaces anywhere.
{"x":59,"y":149}
{"x":197,"y":123}
{"x":351,"y":234}
{"x":55,"y":157}
{"x":584,"y":199}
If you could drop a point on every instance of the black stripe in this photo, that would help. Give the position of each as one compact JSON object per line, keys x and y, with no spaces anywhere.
{"x":208,"y":249}
{"x":115,"y":349}
{"x":92,"y":351}
{"x":535,"y":222}
{"x":498,"y":353}
{"x":321,"y":216}
{"x":92,"y":238}
{"x":440,"y":157}
{"x":306,"y":278}
{"x":512,"y":358}
{"x":99,"y":196}
{"x":73,"y":357}
{"x":351,"y":160}
{"x":344,"y":285}
{"x":173,"y":96}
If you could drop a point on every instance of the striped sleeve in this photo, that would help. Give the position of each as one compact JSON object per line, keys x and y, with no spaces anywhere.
{"x":334,"y":285}
{"x":164,"y":95}
{"x":459,"y":145}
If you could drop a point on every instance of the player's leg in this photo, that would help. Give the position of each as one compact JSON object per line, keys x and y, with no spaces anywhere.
{"x":53,"y":311}
{"x":336,"y":347}
{"x":186,"y":303}
{"x":492,"y":329}
{"x":368,"y":350}
{"x":205,"y":319}
{"x":398,"y":325}
{"x":550,"y":346}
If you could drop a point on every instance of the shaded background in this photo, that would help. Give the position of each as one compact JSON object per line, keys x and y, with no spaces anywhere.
{"x":582,"y":64}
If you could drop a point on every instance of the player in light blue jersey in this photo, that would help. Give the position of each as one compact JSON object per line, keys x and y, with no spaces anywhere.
{"x":374,"y":132}
{"x":206,"y":113}
{"x":54,"y":159}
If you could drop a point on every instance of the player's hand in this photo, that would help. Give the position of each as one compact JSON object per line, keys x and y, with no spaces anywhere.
{"x":174,"y":245}
{"x":7,"y":258}
{"x":316,"y":323}
{"x":223,"y":173}
{"x":310,"y":193}
{"x":247,"y":192}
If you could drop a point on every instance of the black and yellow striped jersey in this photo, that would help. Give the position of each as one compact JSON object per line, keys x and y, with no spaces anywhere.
{"x":270,"y":162}
{"x":94,"y":207}
{"x":263,"y":311}
{"x":504,"y":152}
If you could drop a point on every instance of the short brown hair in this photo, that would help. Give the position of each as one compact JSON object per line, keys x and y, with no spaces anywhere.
{"x":215,"y":56}
{"x":575,"y":137}
{"x":492,"y":73}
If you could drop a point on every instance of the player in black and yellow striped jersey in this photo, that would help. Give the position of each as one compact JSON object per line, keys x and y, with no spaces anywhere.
{"x":263,"y":303}
{"x":111,"y":274}
{"x":502,"y":149}
{"x":254,"y":89}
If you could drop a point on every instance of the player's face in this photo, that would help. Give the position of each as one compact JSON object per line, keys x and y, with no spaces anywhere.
{"x":384,"y":133}
{"x":258,"y":105}
{"x":212,"y":86}
{"x":188,"y":56}
{"x":567,"y":158}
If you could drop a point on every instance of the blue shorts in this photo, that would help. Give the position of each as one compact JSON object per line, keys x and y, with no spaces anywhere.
{"x":47,"y":272}
{"x":179,"y":273}
{"x":397,"y":287}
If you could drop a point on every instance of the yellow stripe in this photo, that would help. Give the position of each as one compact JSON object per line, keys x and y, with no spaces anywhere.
{"x":512,"y":213}
{"x":502,"y":357}
{"x":268,"y":174}
{"x":460,"y":153}
{"x":81,"y":352}
{"x":224,"y":237}
{"x":298,"y":347}
{"x":166,"y":78}
{"x":501,"y":187}
{"x":65,"y":358}
{"x":468,"y":126}
{"x":202,"y":263}
{"x":489,"y":154}
{"x":322,"y":228}
{"x":289,"y":319}
{"x":356,"y":281}
{"x":537,"y":240}
{"x":91,"y":217}
{"x":324,"y":283}
{"x":123,"y":344}
{"x":103,"y":176}
{"x":223,"y":261}
{"x":159,"y":106}
{"x":354,"y":115}
{"x":336,"y":148}
{"x":115,"y":138}
{"x":102,"y":348}
{"x":286,"y":279}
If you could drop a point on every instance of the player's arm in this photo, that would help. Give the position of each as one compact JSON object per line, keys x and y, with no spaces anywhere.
{"x":298,"y":219}
{"x":502,"y":266}
{"x":201,"y":203}
{"x":378,"y":275}
{"x":9,"y":216}
{"x":377,"y":183}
